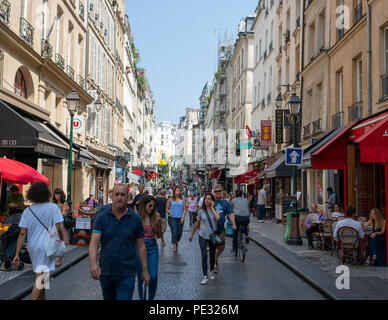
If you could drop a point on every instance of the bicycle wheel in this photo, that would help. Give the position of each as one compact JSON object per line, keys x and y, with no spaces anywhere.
{"x":242,"y":246}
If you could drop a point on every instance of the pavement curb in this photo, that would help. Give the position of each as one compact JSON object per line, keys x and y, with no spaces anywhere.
{"x":298,"y":272}
{"x":28,"y":276}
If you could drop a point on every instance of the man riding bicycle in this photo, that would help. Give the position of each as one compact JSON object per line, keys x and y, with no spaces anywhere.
{"x":240,"y":207}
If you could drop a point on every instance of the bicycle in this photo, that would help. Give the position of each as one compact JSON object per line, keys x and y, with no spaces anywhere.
{"x":242,"y":239}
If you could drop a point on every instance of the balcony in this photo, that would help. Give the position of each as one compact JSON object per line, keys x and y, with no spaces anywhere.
{"x":358,"y":13}
{"x":317,"y":126}
{"x":355,"y":112}
{"x":59,"y":61}
{"x":5,"y":11}
{"x":70,"y":72}
{"x":47,"y":50}
{"x":81,"y":81}
{"x":337,"y":120}
{"x":306,"y":131}
{"x":26,"y":31}
{"x":81,"y":10}
{"x":384,"y":86}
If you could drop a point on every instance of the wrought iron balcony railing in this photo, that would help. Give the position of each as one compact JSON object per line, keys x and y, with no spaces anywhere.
{"x":26,"y":31}
{"x":355,"y":112}
{"x":70,"y":72}
{"x":5,"y":11}
{"x":306,"y":130}
{"x":59,"y":61}
{"x":47,"y":49}
{"x":81,"y":81}
{"x":317,"y":126}
{"x":358,"y":13}
{"x":337,"y":120}
{"x":81,"y":9}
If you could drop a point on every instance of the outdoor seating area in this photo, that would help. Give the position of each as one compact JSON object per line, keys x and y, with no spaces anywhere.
{"x":348,"y":246}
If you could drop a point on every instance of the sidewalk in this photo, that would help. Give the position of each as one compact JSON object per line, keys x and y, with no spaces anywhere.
{"x":16,"y":284}
{"x":319,"y":267}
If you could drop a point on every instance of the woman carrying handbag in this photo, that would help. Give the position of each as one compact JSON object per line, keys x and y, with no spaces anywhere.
{"x":207,"y":220}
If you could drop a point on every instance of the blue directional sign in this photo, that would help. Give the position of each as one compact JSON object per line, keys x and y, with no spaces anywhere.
{"x":294,"y":156}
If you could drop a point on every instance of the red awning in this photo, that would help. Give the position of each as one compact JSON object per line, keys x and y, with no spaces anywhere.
{"x":371,"y":134}
{"x":244,"y":178}
{"x":260,"y":175}
{"x":374,"y":143}
{"x":333,"y":154}
{"x":12,"y":171}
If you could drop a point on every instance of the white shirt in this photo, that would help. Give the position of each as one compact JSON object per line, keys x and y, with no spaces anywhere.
{"x":337,"y":215}
{"x":349,"y":222}
{"x":262,"y":197}
{"x":49,"y":214}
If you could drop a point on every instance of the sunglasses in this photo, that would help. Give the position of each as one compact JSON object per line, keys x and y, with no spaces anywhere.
{"x":217,"y":191}
{"x":151,"y":206}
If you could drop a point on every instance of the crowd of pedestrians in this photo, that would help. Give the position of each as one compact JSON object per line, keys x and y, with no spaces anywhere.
{"x":124,"y":241}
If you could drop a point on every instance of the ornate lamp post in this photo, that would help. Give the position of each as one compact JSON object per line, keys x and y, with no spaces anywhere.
{"x":295,"y":238}
{"x":72,"y":101}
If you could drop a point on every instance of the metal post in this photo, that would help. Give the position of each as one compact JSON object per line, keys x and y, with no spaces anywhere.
{"x":70,"y":166}
{"x":295,"y":238}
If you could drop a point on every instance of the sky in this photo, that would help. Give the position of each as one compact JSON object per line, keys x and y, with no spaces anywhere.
{"x":177,"y":44}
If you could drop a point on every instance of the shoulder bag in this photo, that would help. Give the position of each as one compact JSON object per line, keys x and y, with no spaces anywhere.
{"x":54,"y":245}
{"x":215,"y":239}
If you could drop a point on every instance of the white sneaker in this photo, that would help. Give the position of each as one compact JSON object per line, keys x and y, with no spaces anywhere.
{"x":204,"y":280}
{"x":212,"y":276}
{"x":261,"y":221}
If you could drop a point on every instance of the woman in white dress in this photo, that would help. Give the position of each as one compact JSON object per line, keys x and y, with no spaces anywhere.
{"x":37,"y":220}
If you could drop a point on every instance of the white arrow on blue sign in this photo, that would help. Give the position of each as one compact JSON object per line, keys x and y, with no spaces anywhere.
{"x":294,"y":156}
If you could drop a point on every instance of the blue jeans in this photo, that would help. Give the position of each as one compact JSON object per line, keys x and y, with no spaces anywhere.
{"x":176,"y":229}
{"x":261,"y":211}
{"x":152,"y":263}
{"x":117,"y":288}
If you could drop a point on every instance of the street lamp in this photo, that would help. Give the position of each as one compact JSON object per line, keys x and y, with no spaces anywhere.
{"x":72,"y":101}
{"x":98,"y":104}
{"x":294,"y":239}
{"x":279,"y":101}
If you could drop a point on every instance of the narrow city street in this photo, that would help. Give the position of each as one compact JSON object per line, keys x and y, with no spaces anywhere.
{"x":259,"y":277}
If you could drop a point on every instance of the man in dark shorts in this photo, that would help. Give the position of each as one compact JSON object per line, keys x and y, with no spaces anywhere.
{"x":161,"y":201}
{"x":121,"y":232}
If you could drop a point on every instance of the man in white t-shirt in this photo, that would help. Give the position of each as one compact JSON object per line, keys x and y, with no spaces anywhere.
{"x":350,"y":221}
{"x":261,"y":202}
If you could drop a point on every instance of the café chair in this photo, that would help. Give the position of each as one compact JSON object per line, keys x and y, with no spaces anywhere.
{"x":348,"y":240}
{"x":325,"y":233}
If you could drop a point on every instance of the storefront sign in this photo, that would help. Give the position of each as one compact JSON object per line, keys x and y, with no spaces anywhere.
{"x":83,"y":223}
{"x":287,"y":118}
{"x":266,"y":133}
{"x":279,"y":126}
{"x":78,"y":124}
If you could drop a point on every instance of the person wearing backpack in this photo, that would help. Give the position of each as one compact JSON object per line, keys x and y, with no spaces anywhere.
{"x":37,"y":220}
{"x":207,"y":221}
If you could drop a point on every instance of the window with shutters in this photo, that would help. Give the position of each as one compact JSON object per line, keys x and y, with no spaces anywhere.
{"x":107,"y":125}
{"x":91,"y":121}
{"x":115,"y":128}
{"x":103,"y":72}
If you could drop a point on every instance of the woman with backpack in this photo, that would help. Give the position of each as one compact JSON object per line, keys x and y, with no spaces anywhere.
{"x":207,"y":221}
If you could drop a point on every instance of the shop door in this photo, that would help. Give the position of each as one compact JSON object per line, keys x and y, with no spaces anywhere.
{"x":363,"y":186}
{"x":380,"y":187}
{"x":339,"y":186}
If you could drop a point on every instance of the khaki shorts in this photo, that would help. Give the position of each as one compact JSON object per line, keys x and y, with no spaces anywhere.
{"x":164,"y":225}
{"x":222,"y":236}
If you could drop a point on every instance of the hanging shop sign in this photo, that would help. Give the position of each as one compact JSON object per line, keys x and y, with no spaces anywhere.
{"x":279,"y":126}
{"x":78,"y":124}
{"x":266,"y":133}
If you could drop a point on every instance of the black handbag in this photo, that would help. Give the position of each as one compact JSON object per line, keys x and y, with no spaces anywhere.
{"x":215,"y":239}
{"x":68,"y":222}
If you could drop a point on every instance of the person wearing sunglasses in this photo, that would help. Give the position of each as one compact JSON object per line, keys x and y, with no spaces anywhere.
{"x":152,"y":225}
{"x":226,"y":211}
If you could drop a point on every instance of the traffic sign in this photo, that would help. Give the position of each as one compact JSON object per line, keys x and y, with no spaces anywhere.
{"x":294,"y":156}
{"x":245,"y":145}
